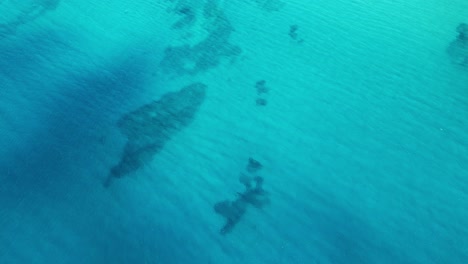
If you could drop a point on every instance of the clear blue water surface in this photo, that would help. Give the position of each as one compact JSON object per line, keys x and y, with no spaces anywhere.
{"x":363,"y":135}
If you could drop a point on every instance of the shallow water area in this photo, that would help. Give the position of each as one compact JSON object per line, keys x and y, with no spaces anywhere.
{"x":351,"y":115}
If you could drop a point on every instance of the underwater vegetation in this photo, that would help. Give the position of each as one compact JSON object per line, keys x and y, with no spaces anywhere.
{"x":29,"y":12}
{"x":253,"y":195}
{"x":206,"y":54}
{"x":458,"y":49}
{"x":149,"y":127}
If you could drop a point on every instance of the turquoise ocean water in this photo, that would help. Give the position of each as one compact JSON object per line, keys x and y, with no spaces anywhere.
{"x":357,"y":112}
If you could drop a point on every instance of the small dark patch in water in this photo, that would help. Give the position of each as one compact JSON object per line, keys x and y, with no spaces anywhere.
{"x":293,"y":33}
{"x":253,"y":165}
{"x":261,"y":102}
{"x":261,"y":87}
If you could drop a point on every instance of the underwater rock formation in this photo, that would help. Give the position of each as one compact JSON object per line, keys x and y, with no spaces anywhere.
{"x":149,"y":127}
{"x":462,"y":30}
{"x":188,"y":17}
{"x":253,"y":165}
{"x":458,"y":49}
{"x":29,"y":13}
{"x":233,"y":211}
{"x":261,"y":102}
{"x":253,"y":195}
{"x":293,"y":33}
{"x":261,"y":88}
{"x":206,"y":54}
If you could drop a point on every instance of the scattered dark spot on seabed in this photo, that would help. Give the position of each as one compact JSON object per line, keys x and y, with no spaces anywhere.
{"x":254,"y":195}
{"x":149,"y":127}
{"x":458,"y":49}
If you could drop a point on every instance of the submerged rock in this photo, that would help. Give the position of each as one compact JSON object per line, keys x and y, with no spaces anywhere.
{"x":261,"y":87}
{"x":207,"y":53}
{"x":293,"y":31}
{"x":253,"y":165}
{"x":246,"y":181}
{"x":149,"y":127}
{"x":233,"y":211}
{"x":294,"y":35}
{"x":29,"y":13}
{"x":458,"y":49}
{"x":261,"y":102}
{"x":188,"y":18}
{"x":462,"y":30}
{"x":262,"y":91}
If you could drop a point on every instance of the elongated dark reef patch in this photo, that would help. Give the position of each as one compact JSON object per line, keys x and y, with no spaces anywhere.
{"x":149,"y":127}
